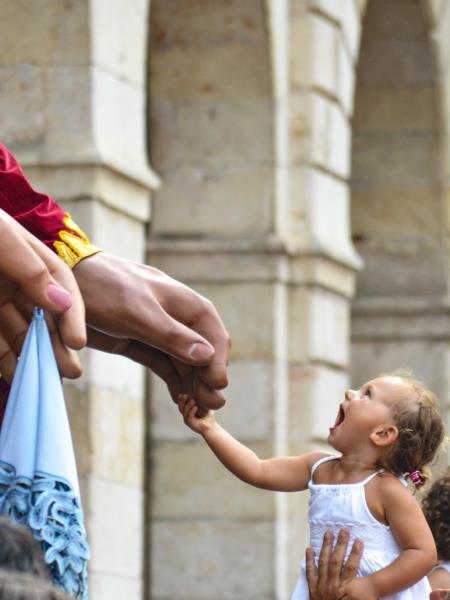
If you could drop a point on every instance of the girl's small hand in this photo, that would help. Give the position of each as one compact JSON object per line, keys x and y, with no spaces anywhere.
{"x":358,"y":588}
{"x":197,"y":421}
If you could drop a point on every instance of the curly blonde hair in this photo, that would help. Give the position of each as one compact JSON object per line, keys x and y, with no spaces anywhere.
{"x":420,"y":430}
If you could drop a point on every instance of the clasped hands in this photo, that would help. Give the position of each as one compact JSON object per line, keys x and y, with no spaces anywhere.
{"x":114,"y":305}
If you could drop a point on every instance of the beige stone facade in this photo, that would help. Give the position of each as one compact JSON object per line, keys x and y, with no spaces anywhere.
{"x":288,"y":159}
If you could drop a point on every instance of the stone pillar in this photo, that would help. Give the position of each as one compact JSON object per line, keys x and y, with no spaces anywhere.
{"x":72,"y":110}
{"x":253,"y":212}
{"x":399,"y":199}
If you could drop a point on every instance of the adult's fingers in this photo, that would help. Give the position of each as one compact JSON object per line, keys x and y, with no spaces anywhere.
{"x":8,"y":360}
{"x":323,"y":565}
{"x":43,"y":278}
{"x":14,"y":325}
{"x":337,"y":559}
{"x":179,"y":377}
{"x":351,"y":566}
{"x":311,"y":572}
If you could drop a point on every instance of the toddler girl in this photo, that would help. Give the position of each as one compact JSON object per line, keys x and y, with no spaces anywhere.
{"x":388,"y":428}
{"x":436,"y":506}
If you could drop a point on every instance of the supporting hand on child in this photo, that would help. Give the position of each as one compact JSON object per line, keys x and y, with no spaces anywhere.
{"x":328,"y":581}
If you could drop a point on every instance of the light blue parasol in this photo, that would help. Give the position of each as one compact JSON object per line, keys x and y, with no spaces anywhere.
{"x":38,"y":477}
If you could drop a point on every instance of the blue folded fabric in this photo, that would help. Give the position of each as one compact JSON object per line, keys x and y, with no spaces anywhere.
{"x":38,"y":477}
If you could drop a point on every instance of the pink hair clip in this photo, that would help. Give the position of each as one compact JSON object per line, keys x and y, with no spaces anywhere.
{"x":416,"y":478}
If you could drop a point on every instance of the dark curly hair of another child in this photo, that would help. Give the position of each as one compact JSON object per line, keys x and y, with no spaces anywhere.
{"x":436,"y":507}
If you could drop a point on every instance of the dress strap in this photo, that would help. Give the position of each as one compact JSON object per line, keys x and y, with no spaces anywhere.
{"x":367,"y":479}
{"x":323,"y":460}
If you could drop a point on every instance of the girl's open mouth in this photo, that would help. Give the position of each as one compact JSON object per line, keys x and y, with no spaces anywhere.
{"x":339,"y":419}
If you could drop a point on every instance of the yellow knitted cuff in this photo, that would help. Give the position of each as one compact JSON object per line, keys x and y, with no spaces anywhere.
{"x":73,"y":245}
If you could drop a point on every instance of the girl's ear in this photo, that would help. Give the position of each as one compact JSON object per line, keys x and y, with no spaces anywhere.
{"x":385,"y":435}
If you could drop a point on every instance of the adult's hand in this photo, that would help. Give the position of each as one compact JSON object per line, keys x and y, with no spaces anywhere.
{"x":440,"y":595}
{"x":137,"y":311}
{"x":326,"y":581}
{"x":30,"y":274}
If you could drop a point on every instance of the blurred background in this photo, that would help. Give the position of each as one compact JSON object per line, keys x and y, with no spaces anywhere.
{"x":286,"y":158}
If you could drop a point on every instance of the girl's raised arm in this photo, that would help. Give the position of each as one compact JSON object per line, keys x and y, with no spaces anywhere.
{"x":284,"y":474}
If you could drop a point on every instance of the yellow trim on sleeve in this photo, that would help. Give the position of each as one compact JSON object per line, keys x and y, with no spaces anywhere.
{"x":73,"y":245}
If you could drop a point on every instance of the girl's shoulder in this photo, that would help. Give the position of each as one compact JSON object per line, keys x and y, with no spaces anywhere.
{"x":317,"y":458}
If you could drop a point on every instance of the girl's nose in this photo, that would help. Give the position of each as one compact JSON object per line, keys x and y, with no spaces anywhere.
{"x":350,"y":394}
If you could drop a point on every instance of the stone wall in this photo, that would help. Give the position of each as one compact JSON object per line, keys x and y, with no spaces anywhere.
{"x":269,"y":176}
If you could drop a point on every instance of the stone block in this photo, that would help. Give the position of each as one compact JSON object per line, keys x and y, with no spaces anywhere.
{"x":400,"y":20}
{"x":319,"y":326}
{"x":346,"y":14}
{"x":396,"y":109}
{"x":78,"y":408}
{"x":315,"y":394}
{"x":403,"y":160}
{"x":400,"y":265}
{"x":236,"y":556}
{"x":111,"y":587}
{"x":188,"y":482}
{"x":117,"y":433}
{"x":324,"y":272}
{"x":324,"y":200}
{"x":113,"y":26}
{"x":50,"y":32}
{"x":396,"y":212}
{"x":22,"y":86}
{"x":428,"y":360}
{"x":74,"y":186}
{"x":220,"y":74}
{"x":396,"y":62}
{"x":118,"y":113}
{"x":248,"y":412}
{"x":313,"y":52}
{"x":115,"y":524}
{"x":234,"y":202}
{"x":210,"y":134}
{"x":247,"y":310}
{"x":207,"y":24}
{"x":319,"y":133}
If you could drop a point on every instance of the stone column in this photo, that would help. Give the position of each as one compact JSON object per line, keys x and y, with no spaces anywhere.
{"x":73,"y":110}
{"x":399,"y":194}
{"x":253,"y":212}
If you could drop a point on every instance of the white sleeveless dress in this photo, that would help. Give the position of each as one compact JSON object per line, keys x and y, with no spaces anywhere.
{"x":333,"y":506}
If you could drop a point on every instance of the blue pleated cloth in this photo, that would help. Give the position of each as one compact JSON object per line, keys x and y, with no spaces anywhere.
{"x":38,"y":476}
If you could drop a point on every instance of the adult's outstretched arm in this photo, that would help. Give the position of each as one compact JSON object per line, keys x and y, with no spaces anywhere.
{"x":142,"y":313}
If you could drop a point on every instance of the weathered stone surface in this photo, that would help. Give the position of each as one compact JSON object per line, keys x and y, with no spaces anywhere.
{"x":346,"y":14}
{"x":321,"y":322}
{"x":113,"y":26}
{"x":114,"y":588}
{"x":221,"y":74}
{"x":114,"y":520}
{"x":395,"y":109}
{"x":50,"y":32}
{"x":235,"y":202}
{"x":316,"y":392}
{"x":182,"y":490}
{"x":210,"y":134}
{"x":236,"y":556}
{"x":402,"y":160}
{"x":248,"y":412}
{"x":203,"y":23}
